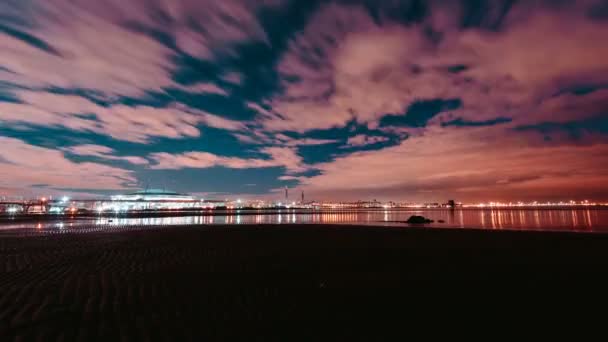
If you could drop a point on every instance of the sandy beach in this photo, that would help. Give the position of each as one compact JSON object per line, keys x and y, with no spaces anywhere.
{"x":189,"y":283}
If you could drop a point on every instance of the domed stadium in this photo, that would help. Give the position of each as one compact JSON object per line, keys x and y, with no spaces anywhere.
{"x":150,"y":199}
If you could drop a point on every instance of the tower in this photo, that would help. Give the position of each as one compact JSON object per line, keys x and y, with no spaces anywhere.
{"x":286,"y":194}
{"x":302,"y":197}
{"x":451,"y":204}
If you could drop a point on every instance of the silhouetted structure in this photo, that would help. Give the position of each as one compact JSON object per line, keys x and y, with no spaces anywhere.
{"x":415,"y":219}
{"x":451,"y":204}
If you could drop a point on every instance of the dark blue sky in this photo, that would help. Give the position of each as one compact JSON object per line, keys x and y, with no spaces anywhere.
{"x":408,"y":100}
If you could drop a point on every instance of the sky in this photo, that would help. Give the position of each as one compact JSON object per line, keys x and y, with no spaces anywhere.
{"x":344,"y":100}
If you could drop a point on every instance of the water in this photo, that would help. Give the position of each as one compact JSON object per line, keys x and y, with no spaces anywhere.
{"x":580,"y":220}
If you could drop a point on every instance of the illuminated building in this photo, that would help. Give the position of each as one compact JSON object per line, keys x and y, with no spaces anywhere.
{"x":154,"y":195}
{"x":152,"y":199}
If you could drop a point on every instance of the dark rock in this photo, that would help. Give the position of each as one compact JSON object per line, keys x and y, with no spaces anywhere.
{"x":418,"y":220}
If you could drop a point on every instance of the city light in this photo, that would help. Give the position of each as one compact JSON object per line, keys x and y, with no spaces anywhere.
{"x":159,"y":201}
{"x":55,"y":210}
{"x":533,"y":204}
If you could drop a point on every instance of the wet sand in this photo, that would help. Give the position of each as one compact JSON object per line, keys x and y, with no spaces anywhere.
{"x":261,"y":282}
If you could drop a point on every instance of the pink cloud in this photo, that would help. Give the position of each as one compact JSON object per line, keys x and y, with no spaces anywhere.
{"x":22,"y":166}
{"x":233,"y":77}
{"x":258,"y":137}
{"x":92,"y":53}
{"x":137,"y":124}
{"x":93,"y":48}
{"x":103,"y":152}
{"x":279,"y":157}
{"x":283,"y":140}
{"x":259,"y":109}
{"x":343,"y":66}
{"x":246,"y":139}
{"x":467,"y":164}
{"x":219,"y":27}
{"x":310,"y":142}
{"x":289,"y":178}
{"x":569,"y":107}
{"x":537,"y":51}
{"x":362,"y":140}
{"x":286,"y":157}
{"x":205,"y":88}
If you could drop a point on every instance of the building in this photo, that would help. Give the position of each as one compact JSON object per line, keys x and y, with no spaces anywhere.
{"x":152,"y":199}
{"x":154,"y":195}
{"x":451,"y":204}
{"x":348,"y":205}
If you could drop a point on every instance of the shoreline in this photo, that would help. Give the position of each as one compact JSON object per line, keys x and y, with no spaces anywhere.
{"x":397,"y":226}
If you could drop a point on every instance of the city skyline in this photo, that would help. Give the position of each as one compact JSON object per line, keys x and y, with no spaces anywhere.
{"x":278,"y":199}
{"x":343,"y":100}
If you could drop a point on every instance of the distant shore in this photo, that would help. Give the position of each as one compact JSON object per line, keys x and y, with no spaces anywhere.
{"x":191,"y":282}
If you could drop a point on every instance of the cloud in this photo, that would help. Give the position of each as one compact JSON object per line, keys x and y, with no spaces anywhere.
{"x":246,"y":139}
{"x":419,"y":113}
{"x":259,"y":137}
{"x":103,"y":152}
{"x":330,"y":78}
{"x":129,"y":123}
{"x":284,"y":140}
{"x":363,"y":140}
{"x":24,"y":166}
{"x":469,"y":164}
{"x":289,"y":178}
{"x":517,"y":66}
{"x":205,"y":88}
{"x":232,"y":77}
{"x":310,"y":142}
{"x":286,"y":157}
{"x":110,"y":47}
{"x":568,"y":106}
{"x":219,"y":25}
{"x":278,"y":157}
{"x":586,"y":131}
{"x":112,"y":50}
{"x":476,"y":92}
{"x":466,"y":123}
{"x":86,"y":51}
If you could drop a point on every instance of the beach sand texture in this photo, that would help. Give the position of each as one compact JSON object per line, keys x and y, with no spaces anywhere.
{"x":188,"y":283}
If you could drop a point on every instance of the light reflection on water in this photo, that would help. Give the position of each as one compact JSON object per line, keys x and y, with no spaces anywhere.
{"x":518,"y":219}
